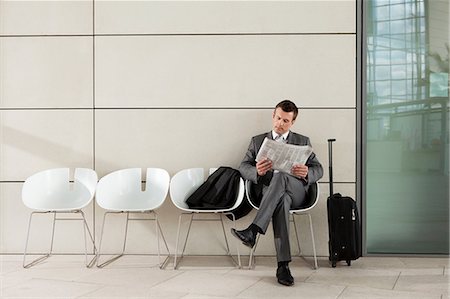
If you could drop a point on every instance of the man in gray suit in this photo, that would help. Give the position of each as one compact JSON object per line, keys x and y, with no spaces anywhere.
{"x":281,"y":191}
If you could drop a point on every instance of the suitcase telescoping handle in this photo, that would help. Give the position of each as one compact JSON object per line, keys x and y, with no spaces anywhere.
{"x":330,"y":163}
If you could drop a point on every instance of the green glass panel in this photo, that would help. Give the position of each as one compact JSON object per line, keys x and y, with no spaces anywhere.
{"x":407,"y":126}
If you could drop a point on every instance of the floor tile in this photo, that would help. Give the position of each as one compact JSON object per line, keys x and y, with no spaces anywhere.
{"x":206,"y":262}
{"x":132,"y":261}
{"x":58,"y":268}
{"x":421,"y":271}
{"x":432,"y":284}
{"x":204,"y":283}
{"x":197,"y":296}
{"x":18,"y":277}
{"x":9,"y":265}
{"x":372,"y":293}
{"x":137,"y":291}
{"x":377,"y":263}
{"x":268,"y":287}
{"x":128,"y":276}
{"x":212,"y":277}
{"x":348,"y":276}
{"x":424,"y":262}
{"x":45,"y":288}
{"x":266,"y":267}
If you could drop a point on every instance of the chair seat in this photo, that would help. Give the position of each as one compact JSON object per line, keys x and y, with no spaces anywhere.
{"x":61,"y":201}
{"x":133,"y":202}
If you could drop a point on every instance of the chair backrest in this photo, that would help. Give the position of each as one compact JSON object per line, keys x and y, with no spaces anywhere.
{"x":251,"y":195}
{"x":86,"y":178}
{"x":240,"y":196}
{"x":51,"y":189}
{"x":121,"y":190}
{"x":311,"y":199}
{"x":183,"y":184}
{"x":157,"y":185}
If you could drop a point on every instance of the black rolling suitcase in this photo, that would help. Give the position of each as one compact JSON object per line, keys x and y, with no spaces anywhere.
{"x":343,"y":223}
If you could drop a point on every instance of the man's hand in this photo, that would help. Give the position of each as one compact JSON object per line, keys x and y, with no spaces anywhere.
{"x":300,"y":171}
{"x":263,"y":166}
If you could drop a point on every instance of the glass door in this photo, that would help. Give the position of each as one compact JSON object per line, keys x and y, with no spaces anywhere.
{"x":406,"y":126}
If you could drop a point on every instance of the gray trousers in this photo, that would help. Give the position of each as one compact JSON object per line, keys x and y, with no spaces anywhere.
{"x":283,"y":193}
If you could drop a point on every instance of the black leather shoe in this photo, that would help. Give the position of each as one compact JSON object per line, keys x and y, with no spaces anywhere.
{"x":284,"y":276}
{"x":247,"y":236}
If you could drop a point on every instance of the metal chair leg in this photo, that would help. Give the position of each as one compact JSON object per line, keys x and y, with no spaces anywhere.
{"x":158,"y":233}
{"x":101,"y":239}
{"x":86,"y":227}
{"x":224,"y":234}
{"x":53,"y":233}
{"x":237,"y":242}
{"x":128,"y":219}
{"x":177,"y":258}
{"x":109,"y":261}
{"x":251,"y":260}
{"x":316,"y":266}
{"x":126,"y":234}
{"x":38,"y":260}
{"x":175,"y":264}
{"x":296,"y":236}
{"x":164,"y":239}
{"x":187,"y":235}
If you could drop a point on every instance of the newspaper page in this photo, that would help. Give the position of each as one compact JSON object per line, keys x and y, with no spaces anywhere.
{"x":282,"y":155}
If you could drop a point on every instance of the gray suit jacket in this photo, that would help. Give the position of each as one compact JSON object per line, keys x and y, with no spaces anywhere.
{"x":248,"y":164}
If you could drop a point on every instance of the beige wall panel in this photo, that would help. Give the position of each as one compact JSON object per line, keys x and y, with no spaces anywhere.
{"x":225,"y":71}
{"x":14,"y":224}
{"x":323,"y":124}
{"x":45,"y":17}
{"x":36,"y":140}
{"x":175,"y":139}
{"x":46,"y":72}
{"x":224,"y":16}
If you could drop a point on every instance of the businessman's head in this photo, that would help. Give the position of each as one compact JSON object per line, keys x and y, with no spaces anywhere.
{"x":284,"y":116}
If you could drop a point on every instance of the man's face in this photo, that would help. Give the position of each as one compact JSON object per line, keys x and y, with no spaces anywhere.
{"x":282,"y":121}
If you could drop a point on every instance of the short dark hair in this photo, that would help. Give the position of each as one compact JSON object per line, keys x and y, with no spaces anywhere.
{"x":288,"y":106}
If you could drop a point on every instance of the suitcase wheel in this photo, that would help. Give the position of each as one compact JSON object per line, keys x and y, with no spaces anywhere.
{"x":349,"y":262}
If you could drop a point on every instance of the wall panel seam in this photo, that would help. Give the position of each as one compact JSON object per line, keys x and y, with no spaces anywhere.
{"x":168,"y":108}
{"x":176,"y":34}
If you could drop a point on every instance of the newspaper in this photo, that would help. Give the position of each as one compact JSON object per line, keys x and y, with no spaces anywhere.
{"x":283,"y":156}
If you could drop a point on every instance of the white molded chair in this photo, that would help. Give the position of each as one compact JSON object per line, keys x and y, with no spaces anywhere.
{"x":312,"y":198}
{"x":120,"y":192}
{"x":182,"y":185}
{"x":50,"y":191}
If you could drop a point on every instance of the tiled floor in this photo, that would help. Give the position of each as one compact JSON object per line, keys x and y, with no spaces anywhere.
{"x":212,"y":277}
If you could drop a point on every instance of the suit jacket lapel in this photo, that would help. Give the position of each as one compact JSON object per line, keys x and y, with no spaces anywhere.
{"x":290,"y":138}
